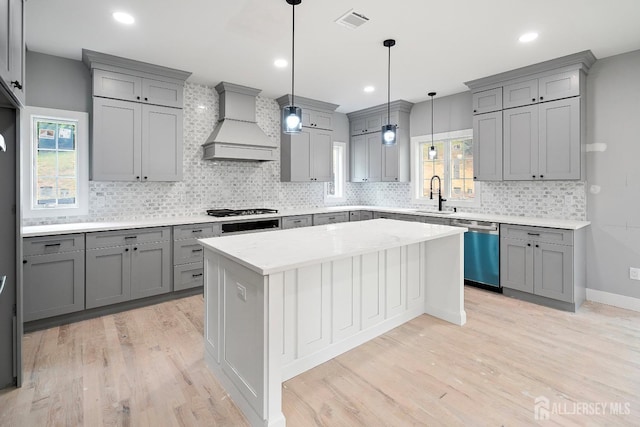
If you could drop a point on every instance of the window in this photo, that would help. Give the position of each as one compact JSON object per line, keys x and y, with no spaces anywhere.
{"x":55,"y":169}
{"x":453,"y":164}
{"x":334,"y":190}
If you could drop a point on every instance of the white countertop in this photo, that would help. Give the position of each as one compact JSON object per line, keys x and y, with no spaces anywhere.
{"x":86,"y":227}
{"x":276,"y":251}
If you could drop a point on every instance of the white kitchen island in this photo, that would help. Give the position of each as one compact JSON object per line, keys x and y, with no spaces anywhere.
{"x":281,"y":302}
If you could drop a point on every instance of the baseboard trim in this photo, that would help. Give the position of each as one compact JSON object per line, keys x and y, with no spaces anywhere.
{"x":616,"y":300}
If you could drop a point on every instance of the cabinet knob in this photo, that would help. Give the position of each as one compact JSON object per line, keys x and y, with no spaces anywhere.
{"x":528,"y":244}
{"x":537,"y":246}
{"x":146,"y":99}
{"x":475,"y":177}
{"x":541,"y":98}
{"x":137,"y":97}
{"x":126,"y":249}
{"x":24,"y":261}
{"x":145,"y":177}
{"x":135,"y":249}
{"x":475,"y":111}
{"x":541,"y":176}
{"x":533,"y":176}
{"x":137,"y":177}
{"x":16,"y":84}
{"x":533,"y":99}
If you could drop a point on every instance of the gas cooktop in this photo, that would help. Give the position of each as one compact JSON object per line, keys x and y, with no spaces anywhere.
{"x":237,"y":212}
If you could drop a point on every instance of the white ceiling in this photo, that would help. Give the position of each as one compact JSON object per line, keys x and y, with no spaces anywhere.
{"x":440,"y":44}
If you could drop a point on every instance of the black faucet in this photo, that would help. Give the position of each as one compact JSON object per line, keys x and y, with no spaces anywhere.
{"x":440,"y":199}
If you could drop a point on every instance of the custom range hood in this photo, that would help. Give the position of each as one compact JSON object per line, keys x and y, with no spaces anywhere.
{"x":237,"y":136}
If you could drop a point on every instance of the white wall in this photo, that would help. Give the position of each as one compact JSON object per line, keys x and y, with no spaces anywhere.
{"x":613,"y":174}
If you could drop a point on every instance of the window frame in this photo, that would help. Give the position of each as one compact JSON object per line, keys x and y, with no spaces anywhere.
{"x":417,"y":170}
{"x":333,"y":199}
{"x":29,"y":151}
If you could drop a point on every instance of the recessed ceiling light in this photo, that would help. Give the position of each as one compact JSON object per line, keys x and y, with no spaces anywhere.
{"x":280,"y":63}
{"x":369,"y":89}
{"x":123,"y":18}
{"x":528,"y":37}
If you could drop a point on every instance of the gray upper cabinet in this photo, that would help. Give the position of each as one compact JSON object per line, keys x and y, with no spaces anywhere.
{"x":12,"y":49}
{"x":366,"y":158}
{"x":487,"y":101}
{"x":317,"y":119}
{"x":543,"y":141}
{"x":543,"y":111}
{"x":308,"y":155}
{"x":370,"y":160}
{"x":137,"y":120}
{"x":487,"y":147}
{"x":53,"y":276}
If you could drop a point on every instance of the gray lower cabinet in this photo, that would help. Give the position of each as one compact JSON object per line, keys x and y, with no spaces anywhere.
{"x":387,"y":215}
{"x":360,"y":215}
{"x":125,"y":265}
{"x":53,"y":276}
{"x":188,"y":260}
{"x":544,"y":262}
{"x":330,"y":218}
{"x":296,"y":221}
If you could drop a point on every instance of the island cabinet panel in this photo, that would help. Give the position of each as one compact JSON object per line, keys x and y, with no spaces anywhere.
{"x":414,"y":268}
{"x":372,"y":290}
{"x":345,"y":296}
{"x":314,"y":320}
{"x":395,"y":290}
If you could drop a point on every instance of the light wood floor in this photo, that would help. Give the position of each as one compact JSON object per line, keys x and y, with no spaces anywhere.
{"x":145,"y":368}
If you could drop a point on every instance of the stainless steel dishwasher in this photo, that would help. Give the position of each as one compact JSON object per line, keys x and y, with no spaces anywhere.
{"x":481,"y":254}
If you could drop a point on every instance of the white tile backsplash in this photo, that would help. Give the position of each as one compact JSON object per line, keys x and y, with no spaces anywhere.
{"x":233,"y":184}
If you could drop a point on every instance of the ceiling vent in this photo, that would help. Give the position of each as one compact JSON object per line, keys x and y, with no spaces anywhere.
{"x":352,"y":20}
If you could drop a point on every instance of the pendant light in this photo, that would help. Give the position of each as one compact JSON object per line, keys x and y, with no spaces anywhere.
{"x":432,"y":150}
{"x":292,"y":115}
{"x":389,"y":133}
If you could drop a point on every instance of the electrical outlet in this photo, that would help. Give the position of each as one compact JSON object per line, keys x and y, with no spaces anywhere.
{"x":242,"y":292}
{"x":634,"y":273}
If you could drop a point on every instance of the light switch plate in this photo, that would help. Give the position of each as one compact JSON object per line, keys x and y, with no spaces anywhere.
{"x":242,"y":292}
{"x":634,"y":273}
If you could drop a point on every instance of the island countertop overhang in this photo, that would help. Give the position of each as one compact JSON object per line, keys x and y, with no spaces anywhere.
{"x":276,"y":251}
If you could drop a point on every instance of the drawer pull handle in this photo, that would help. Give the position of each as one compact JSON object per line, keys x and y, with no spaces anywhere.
{"x":196,"y":231}
{"x":130,"y":237}
{"x":196,"y":275}
{"x":196,"y":250}
{"x":533,"y":234}
{"x":297,"y":221}
{"x":332,"y":218}
{"x":50,"y":245}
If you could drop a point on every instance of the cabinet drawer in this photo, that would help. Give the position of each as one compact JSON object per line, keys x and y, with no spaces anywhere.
{"x":188,"y":276}
{"x":53,"y":244}
{"x":538,"y":234}
{"x":330,"y":218}
{"x":105,"y":239}
{"x":196,"y":230}
{"x":296,"y":221}
{"x":186,"y":251}
{"x":487,"y":101}
{"x":412,"y":218}
{"x":377,"y":215}
{"x":109,"y":84}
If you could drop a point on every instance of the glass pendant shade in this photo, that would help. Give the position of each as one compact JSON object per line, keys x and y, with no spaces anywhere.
{"x":432,"y":153}
{"x":389,"y":134}
{"x":291,"y":119}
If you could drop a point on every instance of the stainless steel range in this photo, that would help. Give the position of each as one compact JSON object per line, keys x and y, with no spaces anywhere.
{"x":238,"y":212}
{"x":247,"y":225}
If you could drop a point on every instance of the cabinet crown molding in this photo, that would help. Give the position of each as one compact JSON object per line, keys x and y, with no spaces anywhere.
{"x":100,"y":60}
{"x":399,"y":105}
{"x":301,"y":101}
{"x":582,"y":60}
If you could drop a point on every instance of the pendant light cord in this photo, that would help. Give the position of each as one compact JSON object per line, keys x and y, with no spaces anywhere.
{"x":293,"y":52}
{"x":389,"y":88}
{"x":431,"y":121}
